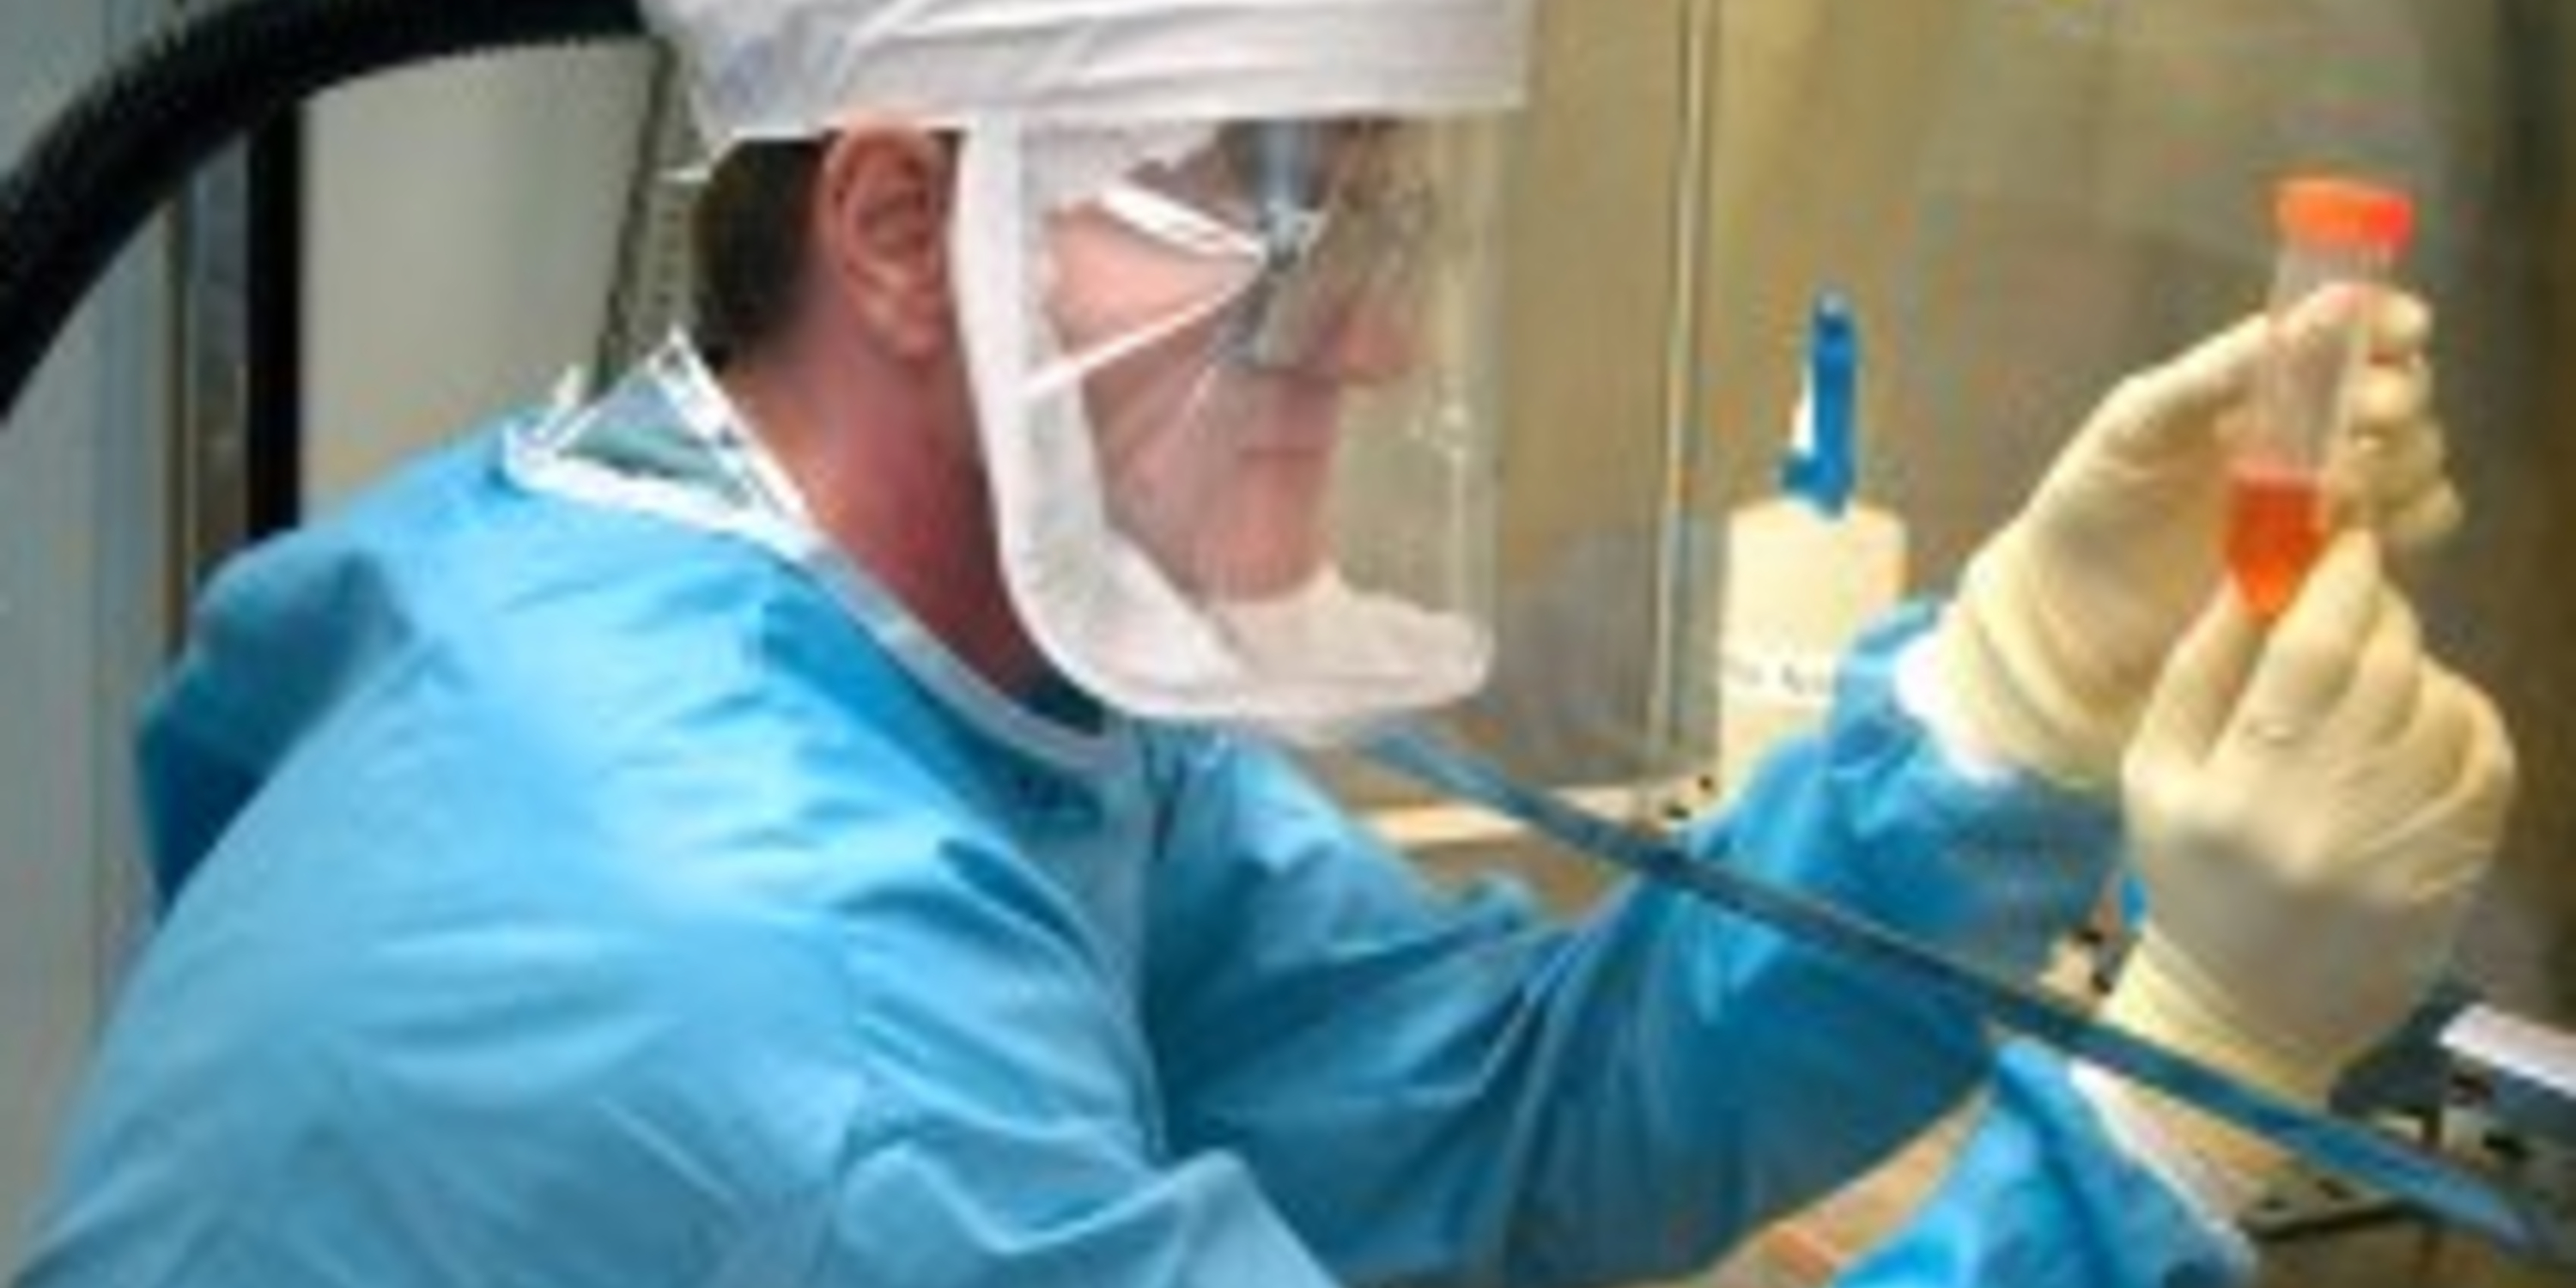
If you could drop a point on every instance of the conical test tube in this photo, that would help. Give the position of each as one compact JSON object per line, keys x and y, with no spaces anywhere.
{"x":2339,"y":242}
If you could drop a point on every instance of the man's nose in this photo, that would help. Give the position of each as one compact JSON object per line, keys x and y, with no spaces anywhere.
{"x":1377,"y":341}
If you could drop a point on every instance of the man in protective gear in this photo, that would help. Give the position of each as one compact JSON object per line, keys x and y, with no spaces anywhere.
{"x":805,"y":816}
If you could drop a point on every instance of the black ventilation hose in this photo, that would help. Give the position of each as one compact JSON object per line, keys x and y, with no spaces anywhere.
{"x":132,"y":139}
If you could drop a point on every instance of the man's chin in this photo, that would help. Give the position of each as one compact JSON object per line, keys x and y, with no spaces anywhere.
{"x":1299,"y":417}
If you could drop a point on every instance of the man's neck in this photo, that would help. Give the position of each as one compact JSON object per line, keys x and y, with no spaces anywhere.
{"x":888,"y":473}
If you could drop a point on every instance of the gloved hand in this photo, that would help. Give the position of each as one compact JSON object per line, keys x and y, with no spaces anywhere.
{"x":2310,"y":814}
{"x":2065,"y":616}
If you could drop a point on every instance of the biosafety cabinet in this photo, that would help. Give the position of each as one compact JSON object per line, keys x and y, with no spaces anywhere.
{"x":2019,"y":200}
{"x":2025,"y":200}
{"x":2022,"y":200}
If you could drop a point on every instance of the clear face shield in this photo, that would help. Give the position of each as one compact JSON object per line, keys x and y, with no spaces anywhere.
{"x":1234,"y":383}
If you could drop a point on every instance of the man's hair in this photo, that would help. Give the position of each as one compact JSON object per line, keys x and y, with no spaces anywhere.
{"x":747,"y":245}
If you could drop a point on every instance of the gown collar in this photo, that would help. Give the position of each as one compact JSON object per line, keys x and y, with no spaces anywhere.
{"x":668,"y":441}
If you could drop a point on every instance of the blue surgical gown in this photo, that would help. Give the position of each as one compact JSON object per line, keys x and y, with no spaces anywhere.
{"x":587,"y":887}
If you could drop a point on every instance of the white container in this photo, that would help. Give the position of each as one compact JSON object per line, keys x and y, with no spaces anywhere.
{"x":1800,"y":585}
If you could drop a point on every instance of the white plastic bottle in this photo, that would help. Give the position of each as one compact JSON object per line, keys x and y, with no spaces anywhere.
{"x":1806,"y":570}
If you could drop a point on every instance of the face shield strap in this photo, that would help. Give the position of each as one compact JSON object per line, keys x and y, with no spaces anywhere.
{"x":1175,"y":225}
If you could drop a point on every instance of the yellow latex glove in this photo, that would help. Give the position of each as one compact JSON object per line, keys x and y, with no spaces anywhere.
{"x":2064,"y":618}
{"x":2310,"y":814}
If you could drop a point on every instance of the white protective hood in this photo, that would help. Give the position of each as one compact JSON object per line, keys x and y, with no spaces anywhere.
{"x":1089,"y":131}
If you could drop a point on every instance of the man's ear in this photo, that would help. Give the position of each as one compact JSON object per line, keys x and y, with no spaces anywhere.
{"x":881,"y":211}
